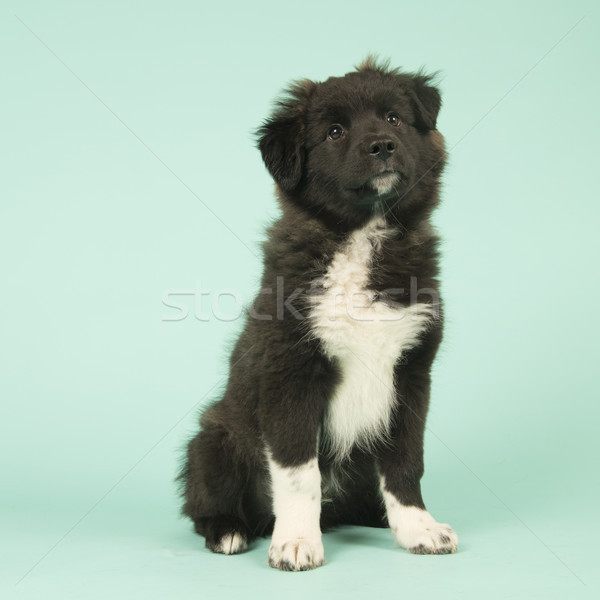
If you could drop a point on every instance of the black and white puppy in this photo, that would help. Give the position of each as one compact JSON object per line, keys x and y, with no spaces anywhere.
{"x":322,"y":420}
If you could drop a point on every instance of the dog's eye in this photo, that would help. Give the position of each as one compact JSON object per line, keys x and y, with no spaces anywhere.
{"x":394,"y":119}
{"x":335,"y":132}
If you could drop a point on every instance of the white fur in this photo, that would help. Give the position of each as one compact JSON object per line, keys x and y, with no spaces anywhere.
{"x":416,"y":530}
{"x":366,"y":337}
{"x":384,"y":182}
{"x":296,"y":543}
{"x":231,"y":543}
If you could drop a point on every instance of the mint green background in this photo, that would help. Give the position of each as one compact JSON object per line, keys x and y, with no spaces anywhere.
{"x":108,"y":164}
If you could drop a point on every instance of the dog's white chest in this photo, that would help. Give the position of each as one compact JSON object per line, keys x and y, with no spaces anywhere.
{"x":366,"y":337}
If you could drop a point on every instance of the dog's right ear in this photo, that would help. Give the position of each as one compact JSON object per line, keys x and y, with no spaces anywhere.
{"x":281,"y":138}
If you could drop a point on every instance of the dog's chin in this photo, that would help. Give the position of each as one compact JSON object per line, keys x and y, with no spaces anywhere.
{"x":385,"y":183}
{"x":378,"y":189}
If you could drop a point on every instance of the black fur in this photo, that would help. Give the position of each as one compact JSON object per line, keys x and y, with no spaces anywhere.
{"x":280,"y":381}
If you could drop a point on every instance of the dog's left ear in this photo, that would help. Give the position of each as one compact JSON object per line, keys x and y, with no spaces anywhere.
{"x":281,"y":138}
{"x":426,"y":102}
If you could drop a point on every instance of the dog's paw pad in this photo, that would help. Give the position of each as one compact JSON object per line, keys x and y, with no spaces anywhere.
{"x":231,"y":543}
{"x":297,"y":555}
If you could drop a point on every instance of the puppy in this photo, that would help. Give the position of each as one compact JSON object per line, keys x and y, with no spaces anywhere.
{"x":322,"y":420}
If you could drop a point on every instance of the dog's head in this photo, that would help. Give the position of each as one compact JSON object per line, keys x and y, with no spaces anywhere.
{"x":358,"y":144}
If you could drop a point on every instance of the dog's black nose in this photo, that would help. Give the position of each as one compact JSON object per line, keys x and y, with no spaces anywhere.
{"x":381,"y":149}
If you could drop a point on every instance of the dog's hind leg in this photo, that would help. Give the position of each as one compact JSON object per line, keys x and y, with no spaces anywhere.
{"x":215,"y":479}
{"x":225,"y":534}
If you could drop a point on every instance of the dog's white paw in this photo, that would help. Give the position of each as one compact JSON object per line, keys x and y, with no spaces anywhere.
{"x":301,"y":554}
{"x":420,"y":533}
{"x":231,"y":543}
{"x":415,"y":529}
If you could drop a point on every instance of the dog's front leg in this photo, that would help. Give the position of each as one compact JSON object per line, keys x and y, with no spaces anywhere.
{"x":296,"y":543}
{"x":290,"y":433}
{"x":401,"y":469}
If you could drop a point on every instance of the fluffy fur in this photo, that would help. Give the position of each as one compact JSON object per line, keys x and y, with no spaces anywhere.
{"x":322,"y":420}
{"x":365,"y":338}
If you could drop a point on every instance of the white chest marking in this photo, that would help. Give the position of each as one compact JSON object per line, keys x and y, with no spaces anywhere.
{"x":366,"y":337}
